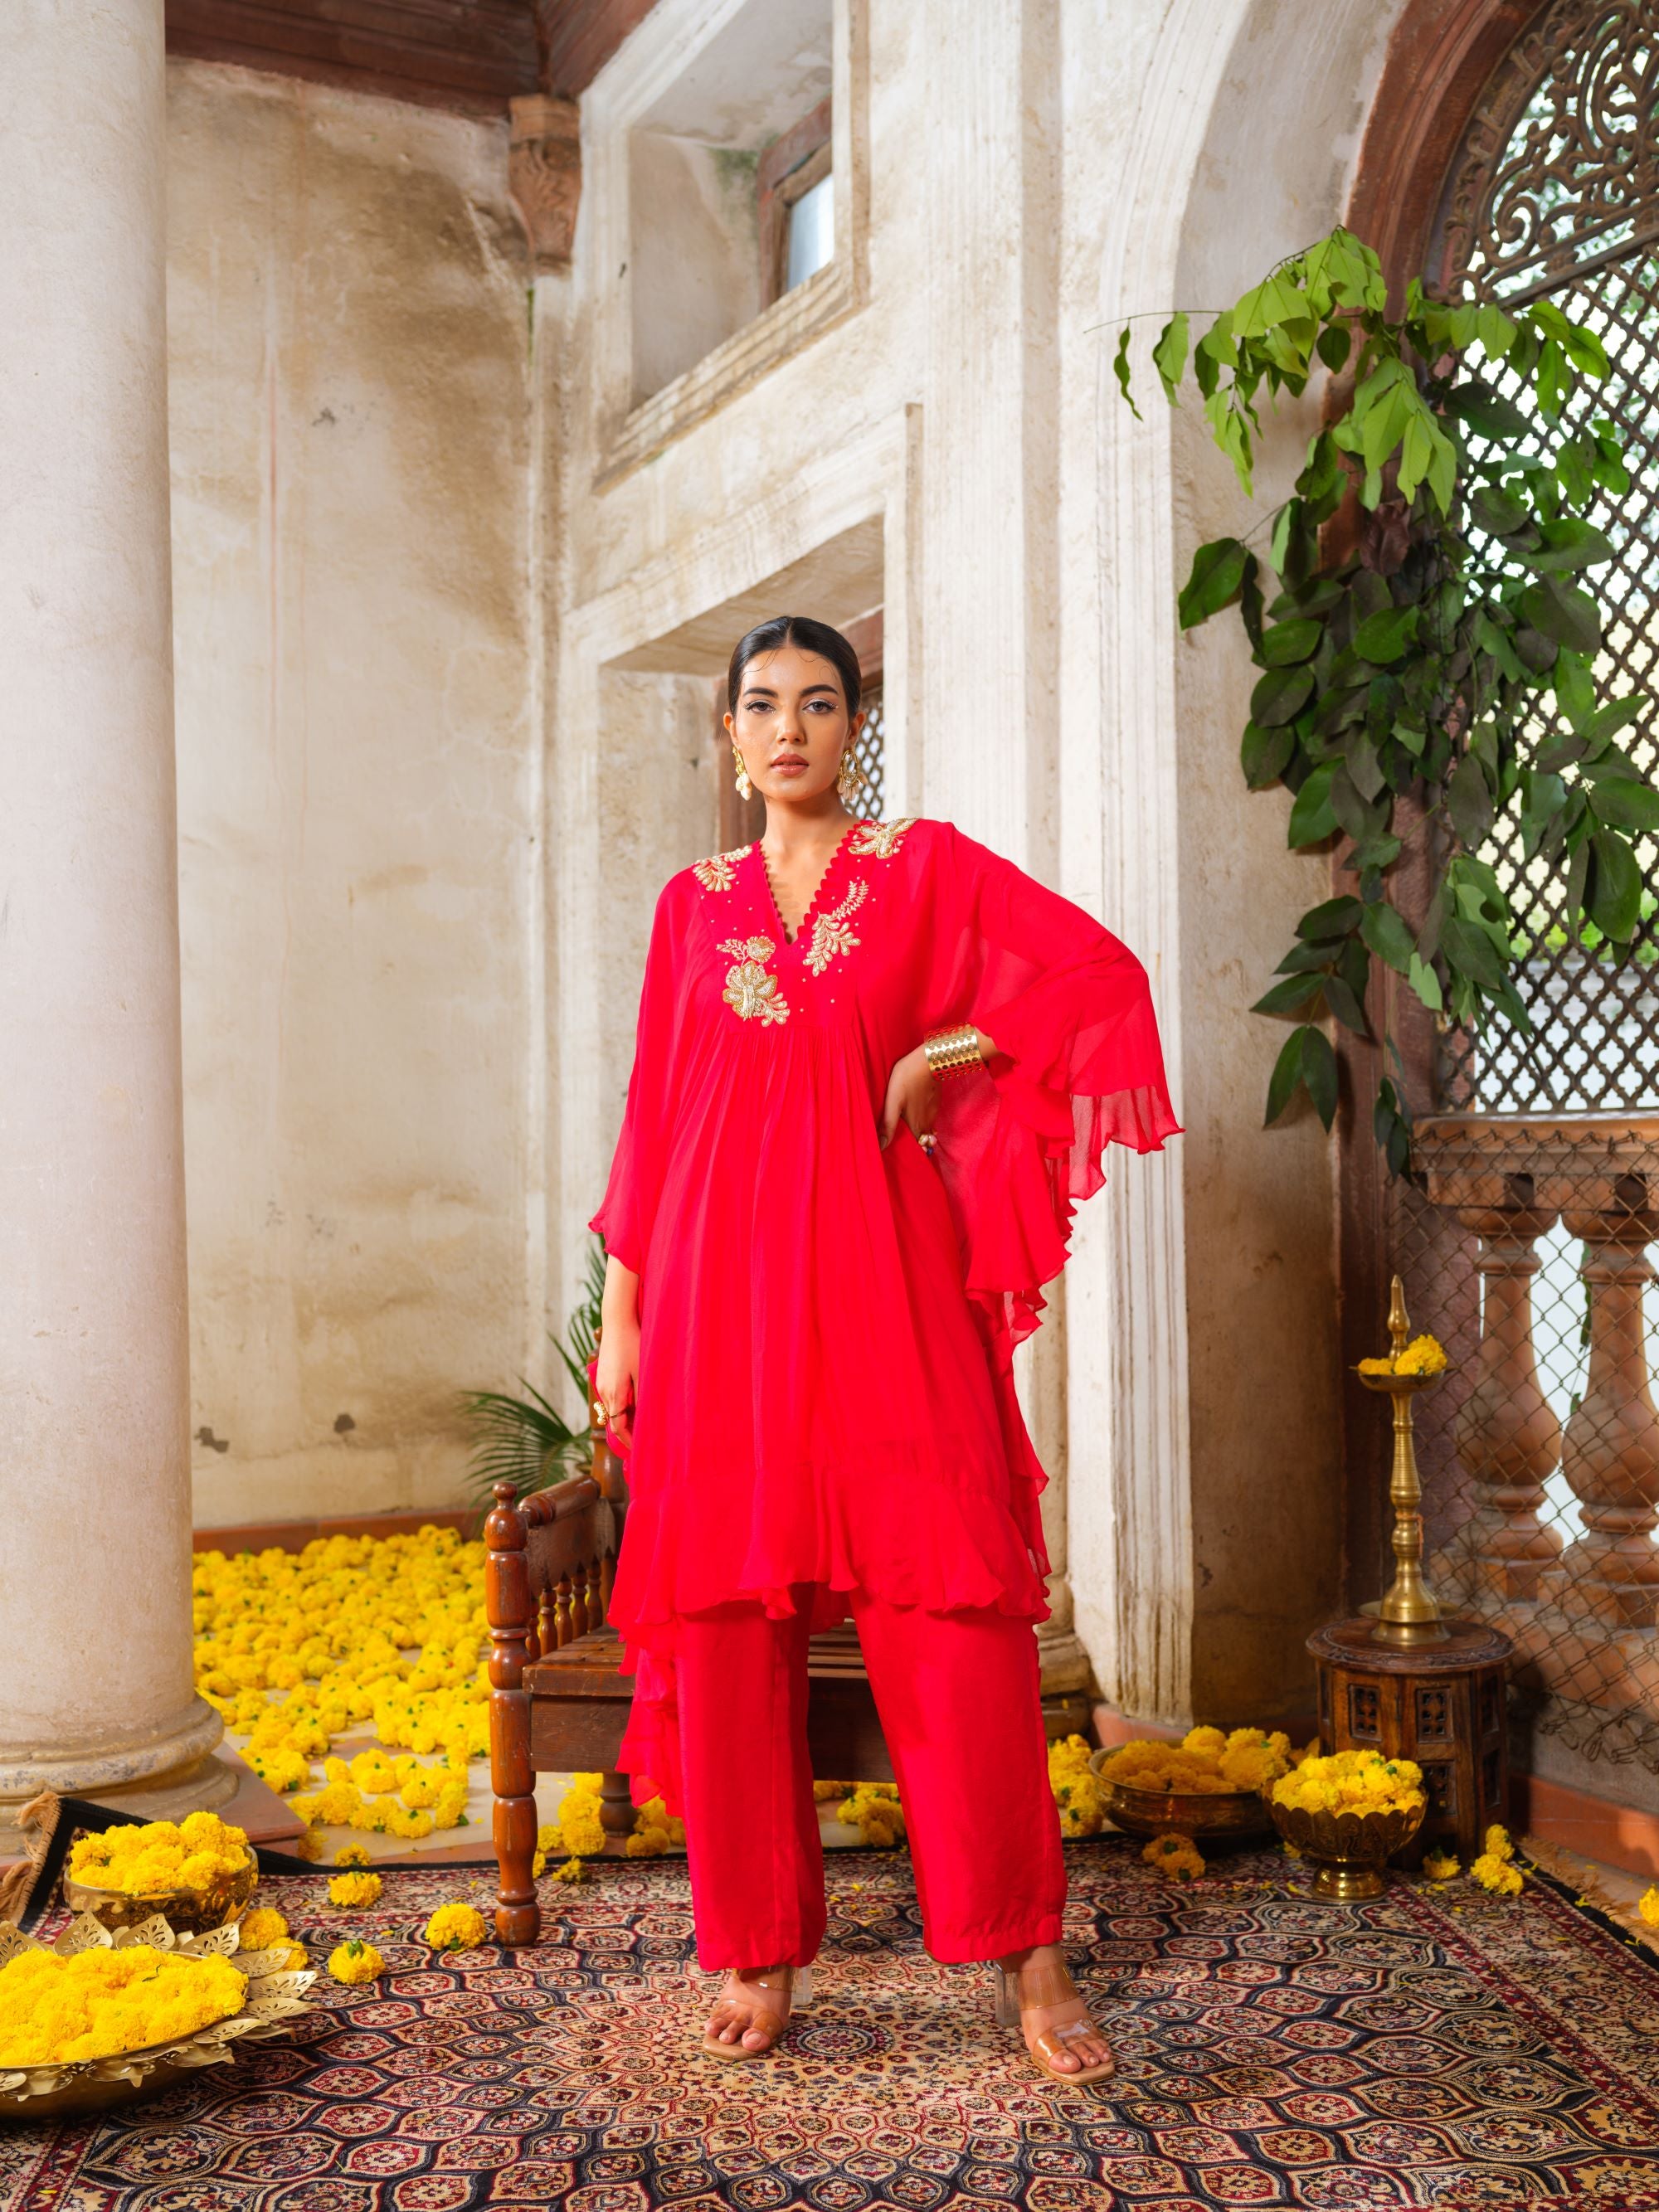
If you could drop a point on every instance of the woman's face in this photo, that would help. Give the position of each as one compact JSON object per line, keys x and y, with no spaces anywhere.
{"x":791,"y":724}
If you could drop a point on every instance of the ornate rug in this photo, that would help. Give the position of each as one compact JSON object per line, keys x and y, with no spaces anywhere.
{"x":1430,"y":2048}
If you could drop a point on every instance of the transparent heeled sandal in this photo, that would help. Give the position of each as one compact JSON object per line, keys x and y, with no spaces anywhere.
{"x":1039,"y":1987}
{"x":792,"y":1984}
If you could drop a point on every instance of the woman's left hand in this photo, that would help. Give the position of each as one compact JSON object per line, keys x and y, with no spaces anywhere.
{"x":912,"y":1097}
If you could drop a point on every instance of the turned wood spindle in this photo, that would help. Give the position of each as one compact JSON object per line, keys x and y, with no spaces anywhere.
{"x":561,"y":1611}
{"x":547,"y":1630}
{"x":579,"y":1600}
{"x":1508,"y":1437}
{"x":1610,"y":1452}
{"x":509,"y":1606}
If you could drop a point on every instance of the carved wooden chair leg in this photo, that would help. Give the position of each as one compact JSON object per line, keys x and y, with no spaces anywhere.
{"x":510,"y":1610}
{"x":616,"y":1805}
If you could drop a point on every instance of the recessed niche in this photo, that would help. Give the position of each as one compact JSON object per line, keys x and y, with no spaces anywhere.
{"x":731,"y":192}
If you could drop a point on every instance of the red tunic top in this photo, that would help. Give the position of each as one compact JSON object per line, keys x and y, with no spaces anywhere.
{"x":825,"y":1393}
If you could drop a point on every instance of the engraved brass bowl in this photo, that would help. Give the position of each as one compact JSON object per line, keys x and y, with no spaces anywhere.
{"x":1213,"y":1815}
{"x":275,"y":1995}
{"x":1348,"y":1850}
{"x":186,"y":1911}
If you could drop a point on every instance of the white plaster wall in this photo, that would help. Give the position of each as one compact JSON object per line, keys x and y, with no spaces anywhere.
{"x":350,"y":420}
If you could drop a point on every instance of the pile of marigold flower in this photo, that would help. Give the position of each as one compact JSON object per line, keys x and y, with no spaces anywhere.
{"x":1076,"y":1792}
{"x":57,"y":2011}
{"x":1351,"y":1781}
{"x":579,"y":1831}
{"x":295,"y":1649}
{"x":1204,"y":1764}
{"x":1424,"y":1355}
{"x":144,"y":1862}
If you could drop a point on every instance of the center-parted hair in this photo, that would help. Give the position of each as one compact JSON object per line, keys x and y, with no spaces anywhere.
{"x":807,"y":636}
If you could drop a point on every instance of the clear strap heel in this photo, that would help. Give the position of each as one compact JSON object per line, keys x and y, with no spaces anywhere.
{"x":793,"y":1984}
{"x":1040,"y":1987}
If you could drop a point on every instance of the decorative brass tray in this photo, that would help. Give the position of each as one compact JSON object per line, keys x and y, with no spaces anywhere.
{"x":1347,"y":1851}
{"x":275,"y":1995}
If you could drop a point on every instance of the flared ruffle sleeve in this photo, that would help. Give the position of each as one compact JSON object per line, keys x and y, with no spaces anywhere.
{"x":1078,"y":1066}
{"x":628,"y":1214}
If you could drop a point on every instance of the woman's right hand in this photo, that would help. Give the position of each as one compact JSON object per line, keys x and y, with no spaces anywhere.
{"x":618,"y":1363}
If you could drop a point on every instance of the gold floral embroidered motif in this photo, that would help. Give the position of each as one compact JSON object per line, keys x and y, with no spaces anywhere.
{"x":831,"y":933}
{"x":719,"y":872}
{"x":879,"y":840}
{"x":751,"y":993}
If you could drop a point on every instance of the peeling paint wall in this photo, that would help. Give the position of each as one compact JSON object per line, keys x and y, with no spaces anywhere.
{"x":350,"y":420}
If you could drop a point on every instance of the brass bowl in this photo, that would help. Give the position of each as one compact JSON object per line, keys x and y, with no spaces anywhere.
{"x":276,"y":1994}
{"x":1221,"y":1813}
{"x":186,"y":1911}
{"x":1348,"y":1851}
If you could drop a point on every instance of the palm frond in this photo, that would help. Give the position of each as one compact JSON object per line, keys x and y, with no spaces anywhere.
{"x":525,"y":1440}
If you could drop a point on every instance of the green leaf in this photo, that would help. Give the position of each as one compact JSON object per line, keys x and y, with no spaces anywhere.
{"x":1333,"y":345}
{"x":1287,"y":643}
{"x":1468,"y":801}
{"x":1318,"y":1072}
{"x":1569,"y":543}
{"x":1383,"y":636}
{"x":1121,"y":370}
{"x":1613,"y":899}
{"x":1574,"y":689}
{"x":1280,"y":695}
{"x":1562,"y":612}
{"x":1621,"y":804}
{"x":1216,"y":573}
{"x":1346,"y":1005}
{"x":1387,"y":935}
{"x":1337,"y":917}
{"x":1426,"y":984}
{"x":1616,"y":715}
{"x":1486,"y":412}
{"x":1311,"y":818}
{"x":1302,"y":958}
{"x":1169,"y":354}
{"x":1291,"y":996}
{"x":1265,"y":755}
{"x":1287,"y":1077}
{"x":1472,"y":952}
{"x":1494,"y":330}
{"x":1498,"y":511}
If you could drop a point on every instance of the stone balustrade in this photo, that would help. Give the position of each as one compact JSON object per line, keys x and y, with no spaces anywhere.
{"x":1583,"y":1609}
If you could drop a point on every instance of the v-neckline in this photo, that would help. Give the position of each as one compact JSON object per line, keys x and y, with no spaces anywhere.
{"x":812,"y":907}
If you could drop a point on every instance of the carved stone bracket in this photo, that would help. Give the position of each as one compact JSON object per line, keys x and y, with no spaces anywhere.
{"x":545,"y":175}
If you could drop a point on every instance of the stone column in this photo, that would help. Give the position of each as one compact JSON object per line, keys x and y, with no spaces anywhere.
{"x":95,"y":1494}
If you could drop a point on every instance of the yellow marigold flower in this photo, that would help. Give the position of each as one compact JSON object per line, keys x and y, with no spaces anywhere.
{"x":1204,"y":1742}
{"x":1377,"y":1366}
{"x":456,"y":1928}
{"x":354,"y":1962}
{"x":1441,"y":1866}
{"x":307,"y":1846}
{"x":1500,"y":1845}
{"x":352,"y":1854}
{"x":1424,"y":1355}
{"x":353,"y":1889}
{"x":648,"y":1843}
{"x":100,"y":2003}
{"x":262,"y":1928}
{"x":1648,"y":1905}
{"x":1176,"y":1857}
{"x":571,"y":1870}
{"x":1497,"y":1874}
{"x":822,"y":1792}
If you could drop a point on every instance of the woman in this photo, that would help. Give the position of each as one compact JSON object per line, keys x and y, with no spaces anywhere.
{"x":876,"y":1066}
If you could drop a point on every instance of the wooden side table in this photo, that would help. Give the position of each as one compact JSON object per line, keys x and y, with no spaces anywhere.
{"x":1440,"y":1703}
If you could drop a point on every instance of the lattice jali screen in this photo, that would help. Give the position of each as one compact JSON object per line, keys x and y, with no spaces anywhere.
{"x":1528,"y":1232}
{"x":1557,"y":196}
{"x":870,"y":753}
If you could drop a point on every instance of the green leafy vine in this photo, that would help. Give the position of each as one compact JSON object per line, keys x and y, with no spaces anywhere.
{"x":1416,"y":596}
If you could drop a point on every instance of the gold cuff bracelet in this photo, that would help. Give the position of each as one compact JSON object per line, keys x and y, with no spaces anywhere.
{"x":949,"y":1051}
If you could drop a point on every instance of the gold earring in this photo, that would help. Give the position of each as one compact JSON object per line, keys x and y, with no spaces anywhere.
{"x":850,"y":778}
{"x":746,"y":789}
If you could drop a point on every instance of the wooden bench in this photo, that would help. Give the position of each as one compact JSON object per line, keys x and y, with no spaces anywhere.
{"x":559,"y":1705}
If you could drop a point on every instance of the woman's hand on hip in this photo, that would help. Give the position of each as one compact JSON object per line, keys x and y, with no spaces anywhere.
{"x":912,"y":1097}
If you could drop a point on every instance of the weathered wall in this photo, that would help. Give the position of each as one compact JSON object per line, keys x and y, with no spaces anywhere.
{"x":349,"y":403}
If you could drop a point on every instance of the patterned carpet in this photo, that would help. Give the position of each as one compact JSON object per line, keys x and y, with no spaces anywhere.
{"x":1426,"y":2048}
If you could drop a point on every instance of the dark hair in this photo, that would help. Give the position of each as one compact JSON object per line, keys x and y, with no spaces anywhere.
{"x":812,"y":637}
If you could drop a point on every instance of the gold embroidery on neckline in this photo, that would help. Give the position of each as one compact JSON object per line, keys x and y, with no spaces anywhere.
{"x":751,"y":993}
{"x":719,"y":872}
{"x":879,"y":840}
{"x":830,"y":932}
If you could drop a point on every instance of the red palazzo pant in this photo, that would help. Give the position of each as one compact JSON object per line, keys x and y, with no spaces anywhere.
{"x":957,"y":1697}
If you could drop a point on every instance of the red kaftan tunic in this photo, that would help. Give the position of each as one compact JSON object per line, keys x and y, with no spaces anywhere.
{"x":825,"y":1392}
